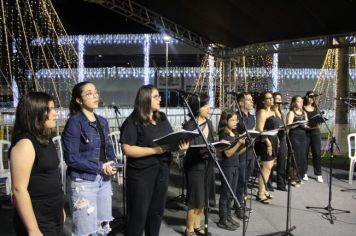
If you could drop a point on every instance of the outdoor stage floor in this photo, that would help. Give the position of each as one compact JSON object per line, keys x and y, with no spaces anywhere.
{"x":264,"y":219}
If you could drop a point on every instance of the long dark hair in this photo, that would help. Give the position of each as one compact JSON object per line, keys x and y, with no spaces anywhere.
{"x":293,"y":101}
{"x":143,"y":105}
{"x":305,"y":100}
{"x":31,"y":115}
{"x":196,"y":103}
{"x":224,"y":119}
{"x":275,"y":94}
{"x":260,"y":105}
{"x":74,"y":107}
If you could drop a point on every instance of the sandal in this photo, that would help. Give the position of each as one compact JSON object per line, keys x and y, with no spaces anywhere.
{"x":200,"y":231}
{"x":268,"y":196}
{"x":263,"y":201}
{"x":186,"y":233}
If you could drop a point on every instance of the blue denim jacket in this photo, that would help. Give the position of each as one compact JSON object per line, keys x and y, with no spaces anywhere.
{"x":81,"y":146}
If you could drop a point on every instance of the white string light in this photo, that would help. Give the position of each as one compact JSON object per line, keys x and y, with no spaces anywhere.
{"x":186,"y":72}
{"x":146,"y":52}
{"x":81,"y":58}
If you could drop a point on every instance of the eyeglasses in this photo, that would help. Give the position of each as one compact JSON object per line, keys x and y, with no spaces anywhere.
{"x":158,"y":97}
{"x":92,"y":94}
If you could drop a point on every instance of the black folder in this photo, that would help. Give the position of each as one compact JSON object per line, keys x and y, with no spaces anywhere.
{"x":173,"y":139}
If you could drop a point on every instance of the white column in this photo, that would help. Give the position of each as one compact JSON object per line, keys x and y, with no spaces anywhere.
{"x":211,"y":80}
{"x":146,"y":52}
{"x":275,"y":78}
{"x":81,"y":58}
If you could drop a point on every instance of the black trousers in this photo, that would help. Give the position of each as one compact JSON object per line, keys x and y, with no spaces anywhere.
{"x":313,"y":141}
{"x":297,"y":140}
{"x":281,"y":162}
{"x":245,"y":170}
{"x":231,"y":174}
{"x":49,"y":216}
{"x":146,"y":199}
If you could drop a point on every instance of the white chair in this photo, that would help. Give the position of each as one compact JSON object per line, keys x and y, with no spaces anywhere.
{"x":5,"y":173}
{"x":352,"y":154}
{"x":62,"y":165}
{"x":115,"y":140}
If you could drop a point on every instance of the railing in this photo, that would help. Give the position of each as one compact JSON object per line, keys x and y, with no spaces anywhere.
{"x":175,"y":117}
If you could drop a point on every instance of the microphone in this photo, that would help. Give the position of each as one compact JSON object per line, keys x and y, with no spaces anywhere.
{"x":186,"y":93}
{"x":314,"y":95}
{"x":345,"y":99}
{"x":116,"y":109}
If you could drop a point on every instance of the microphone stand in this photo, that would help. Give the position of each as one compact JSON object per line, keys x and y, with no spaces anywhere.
{"x":249,"y":143}
{"x":290,"y":158}
{"x":212,"y":154}
{"x":329,"y":215}
{"x":121,"y":219}
{"x":181,"y":196}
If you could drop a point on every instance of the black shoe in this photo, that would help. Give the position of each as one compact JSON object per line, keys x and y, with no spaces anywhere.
{"x":240,"y":214}
{"x":247,"y":209}
{"x":212,"y":203}
{"x":201,"y":232}
{"x":282,"y":188}
{"x":233,"y":222}
{"x":224,"y":224}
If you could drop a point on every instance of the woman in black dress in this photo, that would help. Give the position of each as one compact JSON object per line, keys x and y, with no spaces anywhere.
{"x":282,"y":150}
{"x":297,"y":136}
{"x":195,"y":165}
{"x":313,"y":137}
{"x":36,"y":180}
{"x":267,"y":147}
{"x":147,"y":172}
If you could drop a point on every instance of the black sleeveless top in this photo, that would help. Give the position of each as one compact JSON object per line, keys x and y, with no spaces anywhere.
{"x":299,"y":129}
{"x":312,"y":122}
{"x":45,"y":179}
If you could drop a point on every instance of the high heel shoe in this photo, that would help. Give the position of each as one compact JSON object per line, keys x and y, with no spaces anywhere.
{"x":263,"y":201}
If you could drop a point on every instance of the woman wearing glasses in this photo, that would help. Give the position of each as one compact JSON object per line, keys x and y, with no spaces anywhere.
{"x":36,"y":181}
{"x":147,"y":171}
{"x":313,"y":137}
{"x":266,"y":119}
{"x":89,"y":156}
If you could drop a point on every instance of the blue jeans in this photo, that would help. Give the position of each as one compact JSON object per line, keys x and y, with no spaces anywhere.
{"x":91,"y":205}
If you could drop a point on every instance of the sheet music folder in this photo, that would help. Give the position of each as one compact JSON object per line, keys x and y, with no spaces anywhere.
{"x":173,"y":139}
{"x":317,"y":118}
{"x":219,"y":146}
{"x":297,"y":123}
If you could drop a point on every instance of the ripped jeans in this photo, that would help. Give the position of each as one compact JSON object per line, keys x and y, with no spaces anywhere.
{"x":91,"y":205}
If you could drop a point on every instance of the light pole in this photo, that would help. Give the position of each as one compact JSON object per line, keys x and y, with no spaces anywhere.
{"x":167,"y":40}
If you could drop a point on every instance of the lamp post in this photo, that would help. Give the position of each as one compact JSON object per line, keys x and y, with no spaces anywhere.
{"x":167,"y":40}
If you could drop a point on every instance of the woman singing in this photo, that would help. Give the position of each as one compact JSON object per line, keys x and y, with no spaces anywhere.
{"x":147,"y":172}
{"x":297,"y":136}
{"x":266,"y":119}
{"x":36,"y":180}
{"x":89,"y":155}
{"x":283,"y":149}
{"x":196,"y":165}
{"x":313,"y":138}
